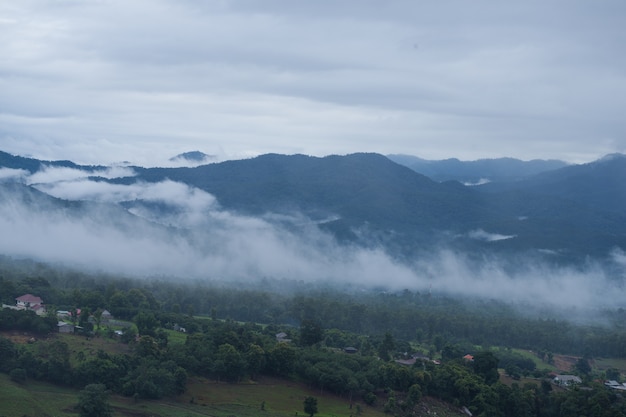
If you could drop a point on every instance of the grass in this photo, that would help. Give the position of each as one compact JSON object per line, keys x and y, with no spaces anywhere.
{"x":175,"y":338}
{"x":282,"y":399}
{"x":532,"y":356}
{"x":602,"y":364}
{"x":35,"y":399}
{"x":90,"y":346}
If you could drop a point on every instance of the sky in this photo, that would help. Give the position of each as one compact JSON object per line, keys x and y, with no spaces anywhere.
{"x":106,"y":81}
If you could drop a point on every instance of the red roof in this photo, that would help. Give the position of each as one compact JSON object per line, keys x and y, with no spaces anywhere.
{"x":29,"y":298}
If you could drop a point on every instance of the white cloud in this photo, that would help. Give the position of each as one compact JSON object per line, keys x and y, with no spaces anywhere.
{"x":207,"y":242}
{"x":480,"y":234}
{"x":12,"y":174}
{"x":51,"y":174}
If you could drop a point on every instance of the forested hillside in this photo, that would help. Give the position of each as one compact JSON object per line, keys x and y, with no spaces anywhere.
{"x":407,"y":345}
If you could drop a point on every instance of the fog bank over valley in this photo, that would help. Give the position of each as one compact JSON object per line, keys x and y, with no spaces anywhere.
{"x":172,"y":230}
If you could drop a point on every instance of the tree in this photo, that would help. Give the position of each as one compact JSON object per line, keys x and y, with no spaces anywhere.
{"x":582,"y":366}
{"x":310,"y":333}
{"x":232,"y":365}
{"x":486,"y":365}
{"x":255,"y":359}
{"x":386,"y":346}
{"x":310,"y":406}
{"x":281,"y":359}
{"x":93,"y":401}
{"x":146,"y":324}
{"x":8,"y":354}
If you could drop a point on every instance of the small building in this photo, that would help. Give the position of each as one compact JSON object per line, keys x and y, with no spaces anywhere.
{"x":406,"y":362}
{"x":566,"y":380}
{"x":106,"y":316}
{"x":351,"y":350}
{"x":469,"y":358}
{"x":65,"y":327}
{"x":64,"y":314}
{"x":282,"y":337}
{"x":615,"y":385}
{"x":179,"y":328}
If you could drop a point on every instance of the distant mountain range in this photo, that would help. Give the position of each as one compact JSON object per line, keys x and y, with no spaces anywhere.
{"x":477,"y":172}
{"x":546,"y":209}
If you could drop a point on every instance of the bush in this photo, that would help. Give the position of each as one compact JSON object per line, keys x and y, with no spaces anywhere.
{"x":369,"y":398}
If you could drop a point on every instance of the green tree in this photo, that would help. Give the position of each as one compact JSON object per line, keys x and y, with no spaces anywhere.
{"x":582,"y":366}
{"x":255,"y":359}
{"x":232,"y":365}
{"x":8,"y":354}
{"x":310,"y":406}
{"x":486,"y":365}
{"x":281,"y":359}
{"x":146,"y":324}
{"x":386,"y":346}
{"x":310,"y":333}
{"x":93,"y":401}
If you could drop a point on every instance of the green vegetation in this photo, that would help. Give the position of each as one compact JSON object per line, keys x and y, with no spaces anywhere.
{"x":168,"y":362}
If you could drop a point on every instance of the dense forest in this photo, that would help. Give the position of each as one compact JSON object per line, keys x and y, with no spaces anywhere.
{"x":231,"y":335}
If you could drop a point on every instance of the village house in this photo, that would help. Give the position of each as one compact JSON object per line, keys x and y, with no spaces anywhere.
{"x":106,"y":316}
{"x":566,"y":380}
{"x":282,"y":337}
{"x":30,"y":302}
{"x":64,"y":327}
{"x":615,"y":385}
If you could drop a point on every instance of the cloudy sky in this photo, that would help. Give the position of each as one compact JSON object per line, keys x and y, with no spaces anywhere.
{"x":102,"y":81}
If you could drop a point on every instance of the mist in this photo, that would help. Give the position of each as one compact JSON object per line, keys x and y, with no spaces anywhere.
{"x":174,"y":231}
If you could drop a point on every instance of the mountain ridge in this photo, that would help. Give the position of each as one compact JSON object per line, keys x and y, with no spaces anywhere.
{"x":368,"y":199}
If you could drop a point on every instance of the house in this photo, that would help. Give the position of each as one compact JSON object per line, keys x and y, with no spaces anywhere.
{"x":30,"y":302}
{"x":282,"y":337}
{"x":105,"y":316}
{"x":566,"y":380}
{"x":468,"y":358}
{"x":406,"y":362}
{"x":350,"y":349}
{"x":65,"y":327}
{"x":179,"y":328}
{"x":615,"y":385}
{"x":64,"y":314}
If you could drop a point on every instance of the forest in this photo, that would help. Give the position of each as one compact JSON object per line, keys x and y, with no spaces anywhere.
{"x":383,"y":349}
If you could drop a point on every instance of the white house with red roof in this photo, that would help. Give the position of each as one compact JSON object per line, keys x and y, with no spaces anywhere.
{"x":30,"y":302}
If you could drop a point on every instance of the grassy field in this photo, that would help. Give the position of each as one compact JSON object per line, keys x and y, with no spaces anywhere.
{"x":532,"y":356}
{"x":175,"y":338}
{"x":268,"y":398}
{"x":602,"y":364}
{"x":35,"y":399}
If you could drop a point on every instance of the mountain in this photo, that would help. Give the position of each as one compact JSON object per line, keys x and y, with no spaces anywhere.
{"x":476,"y":172}
{"x":195,"y":157}
{"x":33,"y":165}
{"x":368,"y":196}
{"x":358,"y":187}
{"x":565,"y":215}
{"x":599,"y":184}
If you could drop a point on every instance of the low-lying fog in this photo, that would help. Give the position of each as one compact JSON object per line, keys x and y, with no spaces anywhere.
{"x":182,"y":232}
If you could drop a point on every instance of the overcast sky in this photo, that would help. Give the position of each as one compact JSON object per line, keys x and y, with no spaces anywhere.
{"x":105,"y":81}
